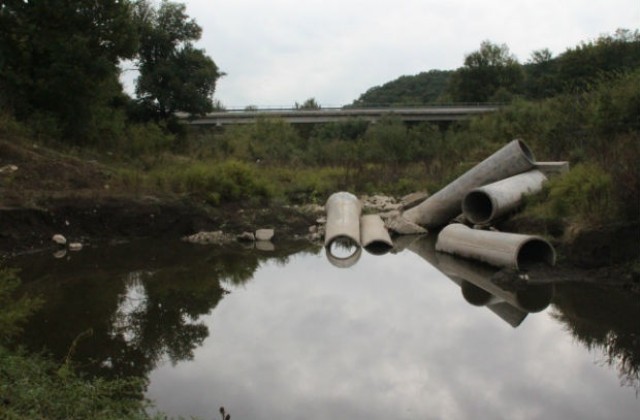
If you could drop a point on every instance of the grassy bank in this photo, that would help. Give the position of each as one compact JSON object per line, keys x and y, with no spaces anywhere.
{"x":35,"y":386}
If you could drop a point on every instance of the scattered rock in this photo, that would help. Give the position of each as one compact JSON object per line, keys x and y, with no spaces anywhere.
{"x":398,"y":224}
{"x":264,"y":234}
{"x":379,"y":203}
{"x":75,"y":246}
{"x":413,"y":199}
{"x":216,"y":237}
{"x":59,"y":239}
{"x":8,"y":169}
{"x":246,"y":237}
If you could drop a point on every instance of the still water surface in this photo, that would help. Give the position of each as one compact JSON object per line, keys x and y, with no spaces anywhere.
{"x":285,"y":334}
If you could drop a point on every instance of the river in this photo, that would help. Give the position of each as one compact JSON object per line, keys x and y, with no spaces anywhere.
{"x":283,"y":333}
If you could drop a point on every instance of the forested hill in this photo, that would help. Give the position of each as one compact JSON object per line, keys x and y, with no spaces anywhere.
{"x":493,"y":74}
{"x":422,"y":88}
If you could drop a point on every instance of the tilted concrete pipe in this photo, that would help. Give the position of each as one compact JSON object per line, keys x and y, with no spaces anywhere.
{"x":437,"y":210}
{"x":374,"y":235}
{"x":484,"y":204}
{"x":500,"y":249}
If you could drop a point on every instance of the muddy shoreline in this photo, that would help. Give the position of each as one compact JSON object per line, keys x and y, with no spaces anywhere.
{"x":605,"y":255}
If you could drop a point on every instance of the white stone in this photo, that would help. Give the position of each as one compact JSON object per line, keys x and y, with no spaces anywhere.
{"x":264,"y":234}
{"x":75,"y":246}
{"x":59,"y":239}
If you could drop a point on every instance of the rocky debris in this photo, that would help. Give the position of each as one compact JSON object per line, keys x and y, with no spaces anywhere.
{"x":217,"y":237}
{"x":413,"y":199}
{"x":264,"y":234}
{"x":396,"y":223}
{"x":379,"y":203}
{"x":246,"y":237}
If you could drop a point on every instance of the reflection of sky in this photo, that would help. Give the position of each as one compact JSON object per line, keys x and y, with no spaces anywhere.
{"x":389,"y":338}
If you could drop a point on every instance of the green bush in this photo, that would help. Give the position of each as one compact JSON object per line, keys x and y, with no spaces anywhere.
{"x":584,"y":195}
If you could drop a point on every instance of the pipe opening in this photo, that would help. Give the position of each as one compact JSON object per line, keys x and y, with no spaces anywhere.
{"x":535,"y":298}
{"x":475,"y":295}
{"x":378,"y":247}
{"x":528,"y":154}
{"x":342,"y":247}
{"x":477,"y":207}
{"x":533,"y":252}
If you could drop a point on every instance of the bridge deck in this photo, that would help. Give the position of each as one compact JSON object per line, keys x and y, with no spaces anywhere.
{"x":297,"y":116}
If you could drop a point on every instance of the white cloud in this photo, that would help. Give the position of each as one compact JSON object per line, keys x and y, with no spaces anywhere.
{"x":280,"y":52}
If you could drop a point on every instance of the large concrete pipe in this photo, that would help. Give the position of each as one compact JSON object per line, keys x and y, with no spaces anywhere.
{"x":472,"y":293}
{"x":342,"y":230}
{"x":374,"y":235}
{"x":437,"y":210}
{"x":500,"y":249}
{"x":484,"y":204}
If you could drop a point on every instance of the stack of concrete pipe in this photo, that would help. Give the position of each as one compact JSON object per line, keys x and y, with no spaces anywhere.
{"x":347,"y":227}
{"x":491,"y":189}
{"x":485,"y":193}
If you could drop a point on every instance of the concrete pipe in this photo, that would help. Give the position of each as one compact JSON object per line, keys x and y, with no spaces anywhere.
{"x":342,"y":230}
{"x":437,"y":210}
{"x":484,"y":204}
{"x":374,"y":235}
{"x":500,"y":249}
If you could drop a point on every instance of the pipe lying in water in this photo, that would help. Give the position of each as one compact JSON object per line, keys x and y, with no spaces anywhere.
{"x":500,"y":249}
{"x":342,"y":230}
{"x":477,"y":288}
{"x":484,"y":204}
{"x":476,"y":282}
{"x":437,"y":210}
{"x":374,"y":235}
{"x":343,"y":218}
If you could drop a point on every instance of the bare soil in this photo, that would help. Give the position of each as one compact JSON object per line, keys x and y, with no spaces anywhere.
{"x":52,"y":193}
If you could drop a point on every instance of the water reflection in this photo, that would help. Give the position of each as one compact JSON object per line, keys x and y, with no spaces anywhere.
{"x":141,"y":303}
{"x":248,"y":329}
{"x":343,"y":252}
{"x":479,"y":287}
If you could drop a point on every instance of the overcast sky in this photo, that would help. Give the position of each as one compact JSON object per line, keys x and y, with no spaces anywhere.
{"x":278,"y":52}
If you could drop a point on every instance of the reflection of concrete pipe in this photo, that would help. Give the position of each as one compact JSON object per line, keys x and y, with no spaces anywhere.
{"x":530,"y":298}
{"x":374,"y":235}
{"x":500,"y":304}
{"x":509,"y":314}
{"x":440,"y":208}
{"x":484,"y":204}
{"x":343,"y":218}
{"x":343,"y":262}
{"x":501,"y":249}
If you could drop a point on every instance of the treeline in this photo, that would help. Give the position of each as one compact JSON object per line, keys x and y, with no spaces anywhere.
{"x":60,"y":63}
{"x":493,"y":74}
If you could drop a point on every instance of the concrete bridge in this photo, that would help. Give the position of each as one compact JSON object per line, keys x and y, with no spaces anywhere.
{"x":308,"y":116}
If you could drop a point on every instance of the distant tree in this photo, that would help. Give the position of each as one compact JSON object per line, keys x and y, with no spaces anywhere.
{"x":174,"y":75}
{"x":59,"y":62}
{"x":541,"y":80}
{"x":579,"y":67}
{"x":309,"y":104}
{"x":490,"y":70}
